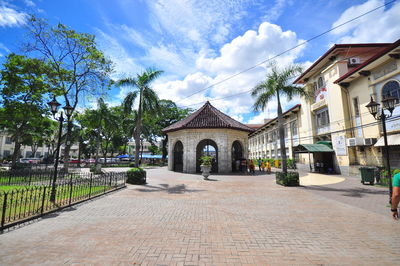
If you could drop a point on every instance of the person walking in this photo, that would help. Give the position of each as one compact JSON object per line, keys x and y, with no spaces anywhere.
{"x":252,"y":167}
{"x":263,"y":166}
{"x":259,"y":164}
{"x":268,"y":167}
{"x":396,"y":196}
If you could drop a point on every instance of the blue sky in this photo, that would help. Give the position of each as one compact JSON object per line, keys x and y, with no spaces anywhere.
{"x":199,"y":43}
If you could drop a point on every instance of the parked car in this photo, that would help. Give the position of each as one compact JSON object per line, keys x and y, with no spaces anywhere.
{"x":73,"y":161}
{"x":30,"y":160}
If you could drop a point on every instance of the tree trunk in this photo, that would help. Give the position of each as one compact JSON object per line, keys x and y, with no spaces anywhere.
{"x":281,"y":130}
{"x":15,"y":157}
{"x":79,"y":152}
{"x":138,"y":129}
{"x":164,"y":148}
{"x":34,"y":148}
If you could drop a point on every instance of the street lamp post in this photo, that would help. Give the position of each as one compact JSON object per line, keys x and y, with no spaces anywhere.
{"x":373,"y":107}
{"x":68,"y":111}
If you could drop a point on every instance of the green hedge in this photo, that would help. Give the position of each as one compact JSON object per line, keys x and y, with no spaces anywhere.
{"x":291,"y":179}
{"x":136,"y":176}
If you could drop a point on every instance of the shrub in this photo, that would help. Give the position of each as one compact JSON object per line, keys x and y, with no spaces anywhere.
{"x":291,"y":179}
{"x":132,"y":164}
{"x":206,"y":160}
{"x":395,"y":171}
{"x":94,"y":170}
{"x":136,"y":176}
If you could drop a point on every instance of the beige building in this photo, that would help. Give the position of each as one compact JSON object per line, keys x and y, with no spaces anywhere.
{"x":377,"y":77}
{"x":206,"y":132}
{"x":264,"y":142}
{"x":331,"y":115}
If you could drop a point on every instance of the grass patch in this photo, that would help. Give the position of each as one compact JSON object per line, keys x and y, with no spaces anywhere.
{"x":26,"y":201}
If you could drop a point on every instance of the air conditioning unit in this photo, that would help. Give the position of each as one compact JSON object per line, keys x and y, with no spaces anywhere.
{"x":354,"y":61}
{"x":369,"y":141}
{"x":352,"y":142}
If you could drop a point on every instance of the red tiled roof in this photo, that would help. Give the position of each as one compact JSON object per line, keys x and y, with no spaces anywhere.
{"x":208,"y":117}
{"x":254,"y":126}
{"x":338,"y":46}
{"x":369,"y":61}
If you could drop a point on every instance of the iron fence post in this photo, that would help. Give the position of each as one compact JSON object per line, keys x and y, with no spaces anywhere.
{"x":43,"y":200}
{"x":90,"y":186}
{"x":70,"y":192}
{"x":3,"y":212}
{"x":30,"y":177}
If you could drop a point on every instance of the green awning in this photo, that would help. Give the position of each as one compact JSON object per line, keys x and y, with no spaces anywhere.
{"x":312,"y":148}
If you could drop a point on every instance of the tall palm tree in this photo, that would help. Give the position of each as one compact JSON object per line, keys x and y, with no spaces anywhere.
{"x":148,"y":100}
{"x":277,"y":84}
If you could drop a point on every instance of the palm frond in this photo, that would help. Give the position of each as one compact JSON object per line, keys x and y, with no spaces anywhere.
{"x":131,"y":82}
{"x":129,"y":101}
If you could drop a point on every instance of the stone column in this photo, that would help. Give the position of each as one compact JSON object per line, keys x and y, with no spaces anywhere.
{"x":170,"y":154}
{"x":224,"y":154}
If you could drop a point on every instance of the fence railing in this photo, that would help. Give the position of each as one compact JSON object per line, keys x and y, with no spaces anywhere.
{"x":31,"y":201}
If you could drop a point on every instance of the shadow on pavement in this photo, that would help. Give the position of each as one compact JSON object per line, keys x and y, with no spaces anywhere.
{"x":177,"y":189}
{"x":349,"y":192}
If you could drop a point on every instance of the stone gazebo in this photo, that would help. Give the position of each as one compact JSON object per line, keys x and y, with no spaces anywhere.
{"x":207,"y":131}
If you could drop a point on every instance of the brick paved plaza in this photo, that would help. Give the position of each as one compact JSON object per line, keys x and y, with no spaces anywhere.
{"x":179,"y":219}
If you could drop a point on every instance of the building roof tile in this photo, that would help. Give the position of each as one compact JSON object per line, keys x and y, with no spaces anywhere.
{"x":208,"y":117}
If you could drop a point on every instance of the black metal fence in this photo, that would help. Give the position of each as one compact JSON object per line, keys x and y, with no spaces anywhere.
{"x":29,"y":196}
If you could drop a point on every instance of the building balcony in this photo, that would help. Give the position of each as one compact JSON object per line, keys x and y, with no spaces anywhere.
{"x":323,"y":130}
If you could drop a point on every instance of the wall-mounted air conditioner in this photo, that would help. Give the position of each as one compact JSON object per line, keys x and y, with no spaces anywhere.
{"x":369,"y":141}
{"x":352,"y":142}
{"x":354,"y":61}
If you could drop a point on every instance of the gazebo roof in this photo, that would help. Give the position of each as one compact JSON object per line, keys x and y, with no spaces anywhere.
{"x":208,"y":117}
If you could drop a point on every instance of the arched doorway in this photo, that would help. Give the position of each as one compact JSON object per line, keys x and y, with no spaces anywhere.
{"x":237,"y":154}
{"x":178,"y":157}
{"x":207,"y":147}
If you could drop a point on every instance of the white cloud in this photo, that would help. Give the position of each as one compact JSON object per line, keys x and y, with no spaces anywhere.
{"x":124,"y":64}
{"x":242,"y":52}
{"x":11,"y":18}
{"x":29,"y":3}
{"x":4,"y":48}
{"x":258,"y":119}
{"x":381,"y":25}
{"x":251,"y":48}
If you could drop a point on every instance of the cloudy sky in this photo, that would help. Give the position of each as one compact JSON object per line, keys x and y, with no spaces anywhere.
{"x":201,"y":44}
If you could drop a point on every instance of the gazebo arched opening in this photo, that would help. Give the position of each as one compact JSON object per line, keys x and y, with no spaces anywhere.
{"x":207,"y":147}
{"x":178,"y":157}
{"x":237,"y":155}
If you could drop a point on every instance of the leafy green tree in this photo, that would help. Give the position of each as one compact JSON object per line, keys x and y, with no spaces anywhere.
{"x":80,"y":68}
{"x":24,"y":84}
{"x":276,"y":85}
{"x":148,"y":101}
{"x":169,"y":113}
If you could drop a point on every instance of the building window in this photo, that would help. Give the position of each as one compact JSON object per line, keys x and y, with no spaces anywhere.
{"x":356,"y":107}
{"x":6,"y":153}
{"x":322,"y":119}
{"x":321,"y":83}
{"x":315,"y":87}
{"x":28,"y":154}
{"x":391,"y":88}
{"x":293,"y":126}
{"x":9,"y":140}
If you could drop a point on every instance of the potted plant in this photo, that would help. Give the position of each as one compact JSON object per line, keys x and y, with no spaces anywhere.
{"x":205,"y":166}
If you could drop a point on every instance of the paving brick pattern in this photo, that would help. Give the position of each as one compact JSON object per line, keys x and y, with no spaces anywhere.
{"x":179,"y":219}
